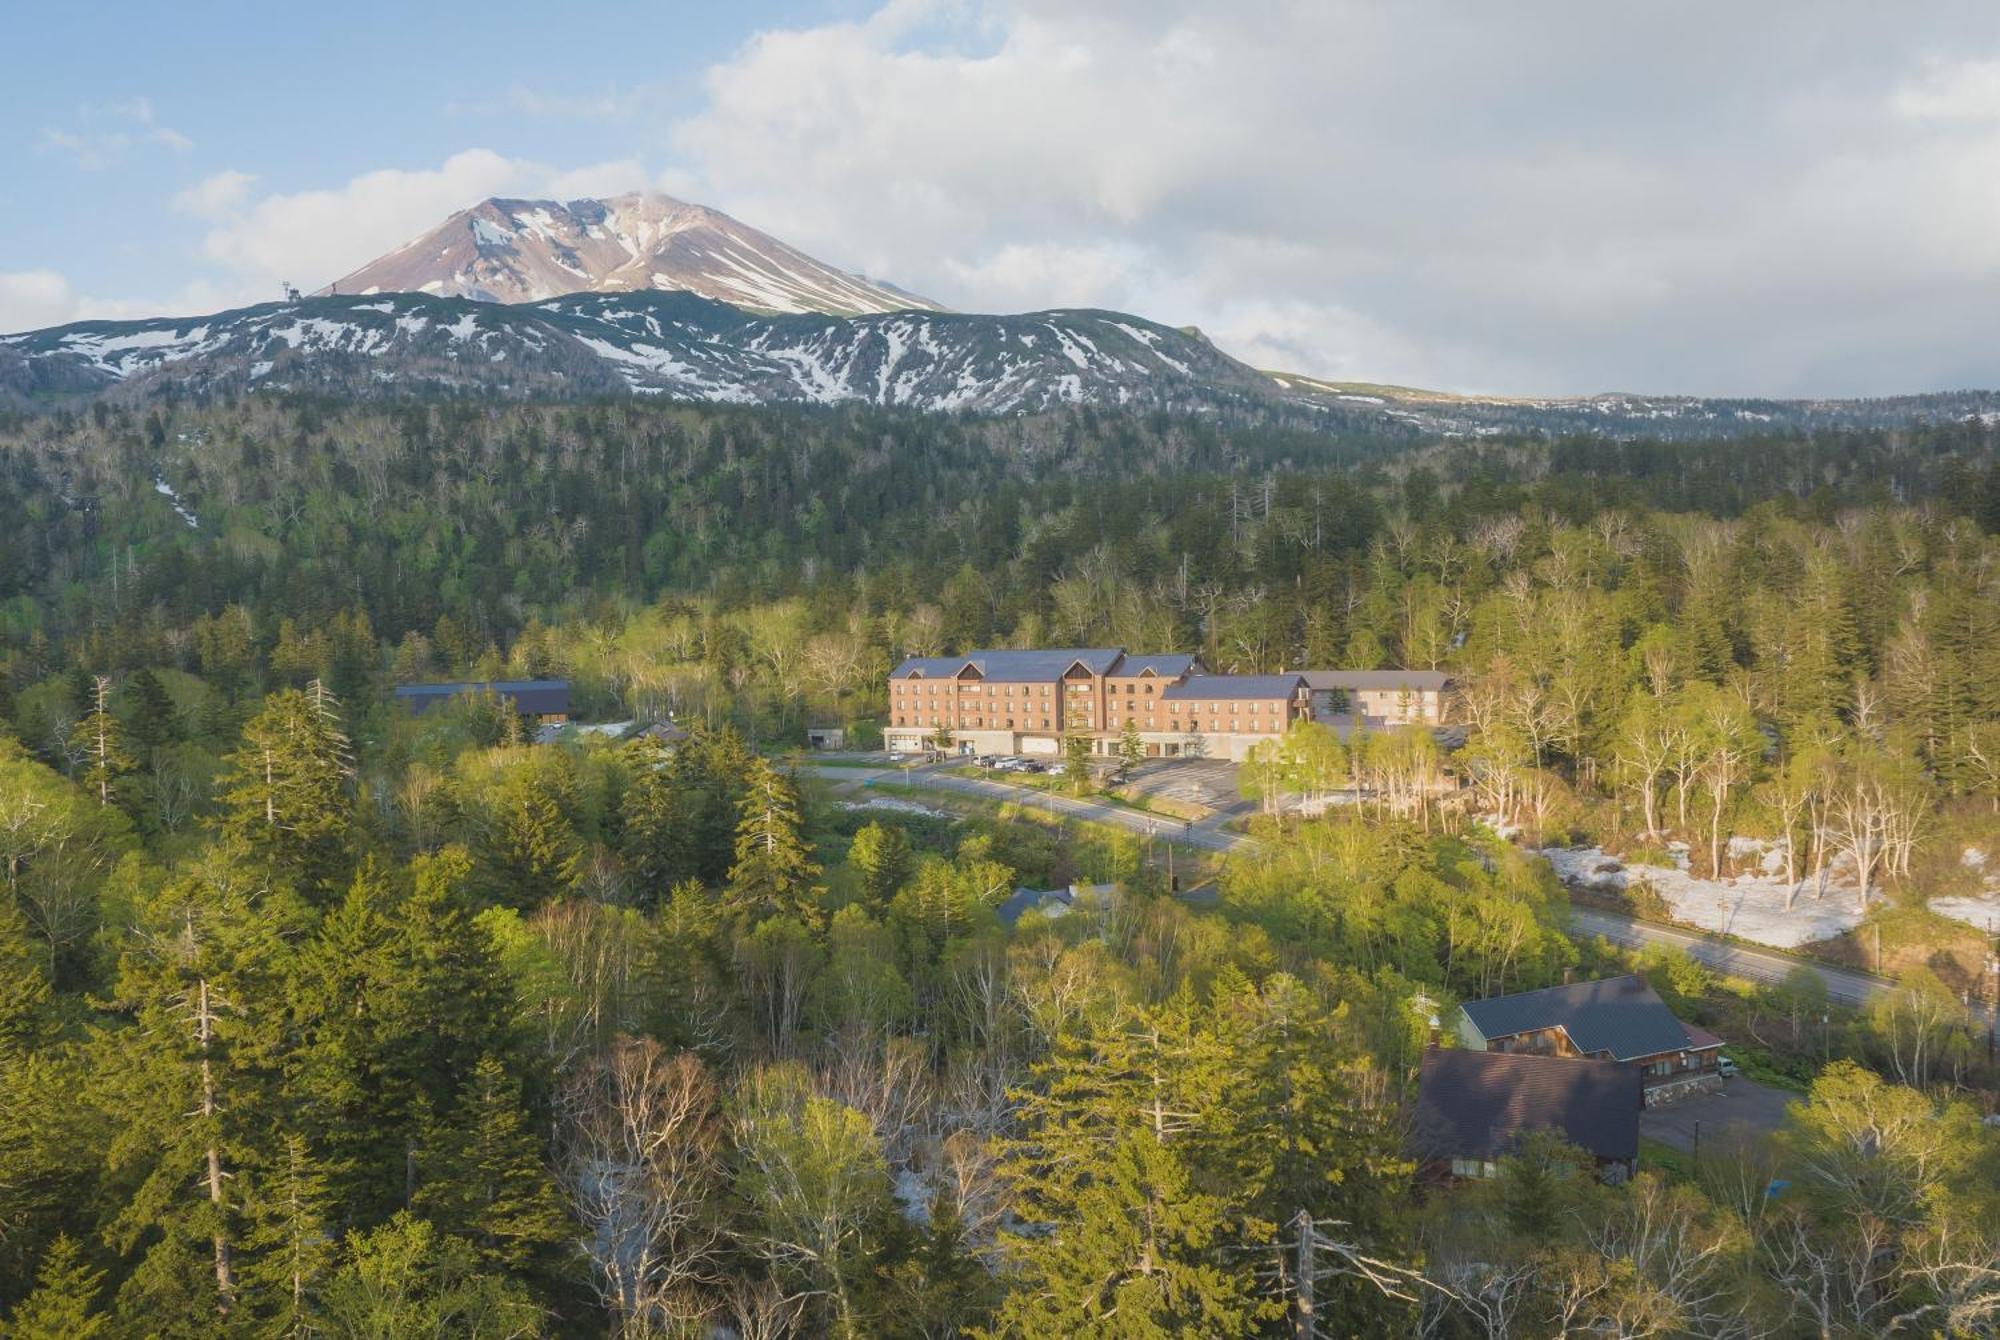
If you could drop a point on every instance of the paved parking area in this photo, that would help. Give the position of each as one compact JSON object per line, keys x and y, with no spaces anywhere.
{"x":1743,"y":1104}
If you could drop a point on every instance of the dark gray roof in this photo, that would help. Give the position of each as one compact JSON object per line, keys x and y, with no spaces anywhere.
{"x":531,"y":697}
{"x":1234,"y":686}
{"x":1016,"y":905}
{"x":928,"y":667}
{"x":1167,"y":665}
{"x":1413,"y":681}
{"x":1475,"y":1105}
{"x":1011,"y":666}
{"x":1620,"y":1016}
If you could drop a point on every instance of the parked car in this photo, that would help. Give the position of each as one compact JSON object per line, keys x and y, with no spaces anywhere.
{"x":1726,"y":1068}
{"x":898,"y":758}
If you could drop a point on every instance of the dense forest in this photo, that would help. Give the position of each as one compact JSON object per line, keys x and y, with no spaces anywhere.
{"x":320,"y":1019}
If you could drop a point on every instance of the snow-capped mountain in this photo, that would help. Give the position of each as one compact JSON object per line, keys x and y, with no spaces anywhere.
{"x":671,"y":345}
{"x":531,"y":250}
{"x":676,"y":346}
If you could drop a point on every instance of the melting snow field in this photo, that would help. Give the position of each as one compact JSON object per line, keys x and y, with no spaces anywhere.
{"x":1981,"y":909}
{"x":897,"y":804}
{"x":1751,"y":906}
{"x":166,"y":490}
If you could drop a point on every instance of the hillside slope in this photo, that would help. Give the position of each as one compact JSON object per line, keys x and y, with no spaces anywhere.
{"x":676,"y":346}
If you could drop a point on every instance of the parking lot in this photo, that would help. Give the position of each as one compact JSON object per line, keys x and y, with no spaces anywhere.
{"x":1742,"y":1104}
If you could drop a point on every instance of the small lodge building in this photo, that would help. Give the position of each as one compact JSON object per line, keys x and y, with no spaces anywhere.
{"x":543,"y":702}
{"x":1613,"y":1019}
{"x":1474,"y":1107}
{"x":1378,"y":699}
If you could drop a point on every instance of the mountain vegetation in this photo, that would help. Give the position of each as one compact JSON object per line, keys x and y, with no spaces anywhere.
{"x":317,"y":1018}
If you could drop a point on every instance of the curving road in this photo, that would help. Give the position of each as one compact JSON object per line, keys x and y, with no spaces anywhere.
{"x":1847,"y":986}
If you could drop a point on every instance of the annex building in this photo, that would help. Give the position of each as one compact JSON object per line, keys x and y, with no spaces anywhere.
{"x":1025,"y":702}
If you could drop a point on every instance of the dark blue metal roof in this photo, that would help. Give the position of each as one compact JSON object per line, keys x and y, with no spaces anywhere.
{"x":531,"y":697}
{"x":1620,"y":1016}
{"x":1171,"y":665}
{"x":1011,"y":666}
{"x":1225,"y":687}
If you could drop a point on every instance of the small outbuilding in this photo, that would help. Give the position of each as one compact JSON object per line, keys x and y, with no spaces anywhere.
{"x":542,"y":701}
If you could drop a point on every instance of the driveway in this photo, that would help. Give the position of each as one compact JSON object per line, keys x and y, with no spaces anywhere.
{"x":1742,"y":1103}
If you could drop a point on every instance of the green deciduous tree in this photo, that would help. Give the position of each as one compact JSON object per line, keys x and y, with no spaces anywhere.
{"x":407,"y":1281}
{"x":817,"y":1193}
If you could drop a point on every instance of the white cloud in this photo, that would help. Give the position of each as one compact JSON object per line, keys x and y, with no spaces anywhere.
{"x":314,"y":237}
{"x":216,"y":196}
{"x":30,"y":299}
{"x":106,"y":132}
{"x":1524,"y":198}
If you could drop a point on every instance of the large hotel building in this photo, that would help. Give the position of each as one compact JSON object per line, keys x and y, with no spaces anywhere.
{"x":1025,"y":702}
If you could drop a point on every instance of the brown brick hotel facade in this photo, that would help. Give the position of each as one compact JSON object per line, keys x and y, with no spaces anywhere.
{"x":1024,"y":702}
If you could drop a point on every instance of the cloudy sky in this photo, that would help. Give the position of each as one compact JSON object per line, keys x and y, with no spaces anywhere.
{"x":1781,"y":198}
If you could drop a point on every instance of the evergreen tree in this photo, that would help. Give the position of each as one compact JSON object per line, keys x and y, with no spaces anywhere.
{"x":774,"y":872}
{"x":656,"y":826}
{"x":99,"y":739}
{"x":290,"y":1238}
{"x":24,"y":985}
{"x":151,"y":720}
{"x":1140,"y":1252}
{"x":1076,"y":759}
{"x":193,"y":1083}
{"x":285,"y":789}
{"x":1116,"y":1132}
{"x":1131,"y":749}
{"x":882,"y":856}
{"x":531,"y":851}
{"x":350,"y":1074}
{"x":63,"y":1305}
{"x":483,"y":1178}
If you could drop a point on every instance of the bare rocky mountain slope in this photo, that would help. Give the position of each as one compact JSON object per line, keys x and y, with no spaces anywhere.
{"x":517,"y":251}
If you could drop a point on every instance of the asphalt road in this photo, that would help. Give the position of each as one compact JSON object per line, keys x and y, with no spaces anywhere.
{"x":1848,"y":986}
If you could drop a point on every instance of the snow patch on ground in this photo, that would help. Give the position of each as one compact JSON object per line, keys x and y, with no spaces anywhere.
{"x":1976,"y":909}
{"x":1982,"y":911}
{"x":1749,"y":906}
{"x":897,"y":805}
{"x":166,"y":490}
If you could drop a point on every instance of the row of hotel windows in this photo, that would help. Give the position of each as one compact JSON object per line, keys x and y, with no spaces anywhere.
{"x":1254,"y":708}
{"x":1030,"y":690}
{"x":1194,"y":722}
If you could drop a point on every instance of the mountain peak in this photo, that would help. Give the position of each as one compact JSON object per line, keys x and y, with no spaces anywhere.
{"x":509,"y":250}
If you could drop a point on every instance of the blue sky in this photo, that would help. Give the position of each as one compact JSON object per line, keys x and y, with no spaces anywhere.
{"x":1546,"y":197}
{"x":111,"y":110}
